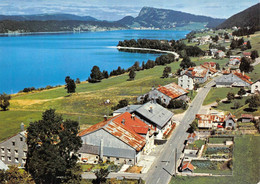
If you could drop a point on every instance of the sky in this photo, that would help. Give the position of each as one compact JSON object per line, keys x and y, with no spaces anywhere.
{"x":117,"y":9}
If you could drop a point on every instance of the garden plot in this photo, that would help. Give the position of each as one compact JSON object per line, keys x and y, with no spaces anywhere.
{"x":218,"y":152}
{"x":212,"y":167}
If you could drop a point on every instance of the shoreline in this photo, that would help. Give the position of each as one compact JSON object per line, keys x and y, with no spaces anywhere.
{"x":155,"y":50}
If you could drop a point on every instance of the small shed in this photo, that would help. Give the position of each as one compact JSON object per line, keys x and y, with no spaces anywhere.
{"x":187,"y":167}
{"x":247,"y":118}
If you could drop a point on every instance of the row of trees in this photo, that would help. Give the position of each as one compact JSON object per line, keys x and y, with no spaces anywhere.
{"x":96,"y":75}
{"x":172,"y":45}
{"x":239,"y":43}
{"x":246,"y":31}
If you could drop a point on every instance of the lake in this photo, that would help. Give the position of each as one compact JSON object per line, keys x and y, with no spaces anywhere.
{"x":46,"y":59}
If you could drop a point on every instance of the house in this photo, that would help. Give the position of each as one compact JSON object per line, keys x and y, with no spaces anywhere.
{"x":246,"y":118}
{"x":235,"y":79}
{"x":122,"y":139}
{"x":187,"y":167}
{"x":169,"y":92}
{"x":247,"y":54}
{"x":213,"y":52}
{"x":220,"y":54}
{"x":192,"y":137}
{"x":186,"y":82}
{"x":159,"y":117}
{"x":213,"y":121}
{"x":234,"y":61}
{"x":255,"y":87}
{"x":211,"y":66}
{"x":14,"y":149}
{"x":154,"y":115}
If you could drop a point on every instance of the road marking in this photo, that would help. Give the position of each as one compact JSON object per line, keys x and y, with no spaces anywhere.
{"x":158,"y":180}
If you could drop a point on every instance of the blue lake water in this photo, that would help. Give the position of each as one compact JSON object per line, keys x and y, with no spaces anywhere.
{"x":46,"y":59}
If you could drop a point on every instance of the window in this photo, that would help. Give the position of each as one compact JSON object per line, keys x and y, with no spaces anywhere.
{"x":9,"y":159}
{"x":2,"y":150}
{"x":13,"y":143}
{"x":3,"y":158}
{"x":16,"y":160}
{"x":79,"y":155}
{"x":21,"y":139}
{"x":16,"y":151}
{"x":96,"y":157}
{"x":9,"y":150}
{"x":24,"y":160}
{"x":117,"y":158}
{"x":25,"y":152}
{"x":230,"y":124}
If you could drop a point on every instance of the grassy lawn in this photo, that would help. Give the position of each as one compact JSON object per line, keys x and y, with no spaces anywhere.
{"x":229,"y":107}
{"x":255,"y":74}
{"x":221,"y":140}
{"x":220,"y":93}
{"x":196,"y":144}
{"x":246,"y":165}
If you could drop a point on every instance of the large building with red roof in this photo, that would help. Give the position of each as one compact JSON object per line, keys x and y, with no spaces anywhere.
{"x":168,"y":92}
{"x":122,"y":139}
{"x":235,"y":79}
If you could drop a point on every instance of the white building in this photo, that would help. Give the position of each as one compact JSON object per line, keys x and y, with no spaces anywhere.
{"x":255,"y":87}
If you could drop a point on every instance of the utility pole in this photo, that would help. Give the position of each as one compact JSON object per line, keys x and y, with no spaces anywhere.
{"x":175,"y":161}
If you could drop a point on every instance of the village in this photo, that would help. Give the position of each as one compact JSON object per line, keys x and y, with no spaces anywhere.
{"x":129,"y":141}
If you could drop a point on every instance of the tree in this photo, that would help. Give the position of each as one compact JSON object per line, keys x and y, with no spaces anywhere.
{"x":229,"y":53}
{"x":217,"y":66}
{"x":230,"y":96}
{"x":254,"y":54}
{"x":254,"y":101}
{"x":248,"y":45}
{"x":121,"y":104}
{"x":105,"y":74}
{"x":136,"y":66}
{"x":193,"y":126}
{"x":96,"y":75}
{"x":186,"y":63}
{"x":70,"y":85}
{"x":196,"y":86}
{"x":241,"y":92}
{"x":77,"y":81}
{"x":4,"y":101}
{"x":166,"y":72}
{"x":101,"y":176}
{"x":132,"y":74}
{"x":236,"y":104}
{"x":245,"y":65}
{"x":14,"y":175}
{"x":52,"y":147}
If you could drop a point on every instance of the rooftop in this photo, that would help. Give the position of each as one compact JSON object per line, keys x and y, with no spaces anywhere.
{"x":172,"y":90}
{"x":127,"y":134}
{"x":243,"y":77}
{"x":129,"y":108}
{"x":187,"y":165}
{"x":198,"y":71}
{"x":155,"y":113}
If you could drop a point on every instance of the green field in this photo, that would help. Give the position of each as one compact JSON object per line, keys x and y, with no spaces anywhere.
{"x":220,"y":93}
{"x":246,"y":165}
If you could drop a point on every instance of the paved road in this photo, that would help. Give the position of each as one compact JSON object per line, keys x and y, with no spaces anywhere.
{"x":164,"y":167}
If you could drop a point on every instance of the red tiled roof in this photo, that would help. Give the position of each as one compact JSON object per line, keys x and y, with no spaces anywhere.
{"x":135,"y":124}
{"x":172,"y":90}
{"x":122,"y":132}
{"x":243,"y":77}
{"x":247,"y":53}
{"x":206,"y":120}
{"x":197,"y":71}
{"x":187,"y":165}
{"x":212,"y":64}
{"x":208,"y":66}
{"x":250,"y":116}
{"x":191,"y":135}
{"x":220,"y":126}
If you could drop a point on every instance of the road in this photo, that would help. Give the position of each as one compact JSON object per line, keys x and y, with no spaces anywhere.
{"x":164,"y":167}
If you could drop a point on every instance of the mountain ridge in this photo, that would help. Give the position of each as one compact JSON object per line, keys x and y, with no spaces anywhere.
{"x":248,"y":17}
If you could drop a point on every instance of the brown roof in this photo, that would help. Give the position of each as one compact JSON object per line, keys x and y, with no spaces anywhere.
{"x":243,"y":77}
{"x":191,"y":135}
{"x":122,"y":132}
{"x":205,"y":120}
{"x":187,"y":165}
{"x":250,"y":116}
{"x":172,"y":90}
{"x":198,"y":71}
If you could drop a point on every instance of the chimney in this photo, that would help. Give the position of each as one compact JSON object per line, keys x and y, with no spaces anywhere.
{"x":101,"y":149}
{"x":22,"y":126}
{"x":123,"y":121}
{"x":133,"y":116}
{"x":151,"y":109}
{"x":243,"y":73}
{"x":105,"y":117}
